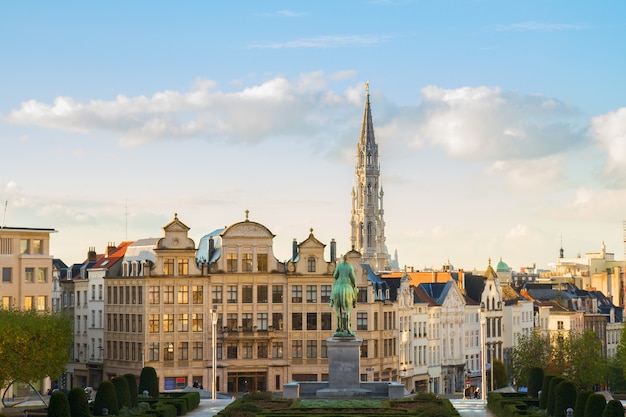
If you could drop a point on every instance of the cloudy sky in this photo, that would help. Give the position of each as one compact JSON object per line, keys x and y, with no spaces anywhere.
{"x":501,"y":125}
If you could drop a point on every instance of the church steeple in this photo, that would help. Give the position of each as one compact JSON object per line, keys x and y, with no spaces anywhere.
{"x":367,"y":224}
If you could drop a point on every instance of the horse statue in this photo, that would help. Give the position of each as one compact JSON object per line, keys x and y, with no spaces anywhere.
{"x":343,"y":296}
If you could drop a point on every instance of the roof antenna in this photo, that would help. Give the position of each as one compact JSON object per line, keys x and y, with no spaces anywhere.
{"x":4,"y":215}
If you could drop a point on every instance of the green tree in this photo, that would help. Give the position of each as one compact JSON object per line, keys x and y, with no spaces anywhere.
{"x":500,"y":378}
{"x":132,"y":388}
{"x":121,"y":392}
{"x":565,"y":397}
{"x":545,"y":387}
{"x":59,"y":405}
{"x":615,"y":374}
{"x":595,"y":405}
{"x":535,"y":379}
{"x":613,"y":408}
{"x":79,"y":404}
{"x":552,"y":394}
{"x":559,"y":361}
{"x":588,"y":366}
{"x":581,"y":401}
{"x":620,"y":356}
{"x":34,"y":345}
{"x":148,"y":381}
{"x":105,"y":398}
{"x":531,"y":350}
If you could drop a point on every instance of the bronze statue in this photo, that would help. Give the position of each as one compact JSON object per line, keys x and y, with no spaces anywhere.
{"x":344,"y":296}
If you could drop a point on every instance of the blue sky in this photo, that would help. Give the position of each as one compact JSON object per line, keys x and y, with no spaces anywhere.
{"x":501,"y":125}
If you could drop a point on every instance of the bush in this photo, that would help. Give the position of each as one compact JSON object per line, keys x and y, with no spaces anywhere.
{"x":535,"y":381}
{"x":613,"y":408}
{"x":105,"y":398}
{"x":59,"y":405}
{"x":595,"y":405}
{"x":132,"y":389}
{"x":122,"y":393}
{"x":148,"y":381}
{"x":545,"y":386}
{"x":565,"y":397}
{"x":581,"y":401}
{"x":79,"y":404}
{"x":552,"y":394}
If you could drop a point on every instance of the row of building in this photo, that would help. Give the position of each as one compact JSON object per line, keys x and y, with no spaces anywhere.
{"x":227,"y":307}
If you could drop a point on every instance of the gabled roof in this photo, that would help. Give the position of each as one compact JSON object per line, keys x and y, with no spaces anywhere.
{"x":435,"y":291}
{"x":115,"y":256}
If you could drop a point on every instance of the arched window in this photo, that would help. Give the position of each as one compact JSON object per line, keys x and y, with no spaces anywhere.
{"x":369,"y":233}
{"x":311,"y":264}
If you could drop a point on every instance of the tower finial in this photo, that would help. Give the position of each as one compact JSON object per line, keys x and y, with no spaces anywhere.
{"x":247,"y":212}
{"x":367,"y":88}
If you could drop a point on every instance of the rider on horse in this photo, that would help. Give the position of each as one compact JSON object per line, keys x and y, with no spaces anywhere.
{"x":344,"y":296}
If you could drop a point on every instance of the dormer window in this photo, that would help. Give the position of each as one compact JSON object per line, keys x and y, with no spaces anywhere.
{"x":311,"y":264}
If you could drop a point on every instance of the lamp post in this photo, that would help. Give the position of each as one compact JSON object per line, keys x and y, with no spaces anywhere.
{"x":214,"y":350}
{"x":491,"y":365}
{"x":483,"y":320}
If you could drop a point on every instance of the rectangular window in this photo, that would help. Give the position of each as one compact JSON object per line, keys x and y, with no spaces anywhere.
{"x":127,"y":290}
{"x":168,"y":294}
{"x":361,"y":321}
{"x":183,"y":267}
{"x":246,"y":262}
{"x":6,"y":274}
{"x":6,"y":302}
{"x":296,"y":349}
{"x":219,"y":349}
{"x":42,"y":304}
{"x":140,"y":294}
{"x":262,"y":350}
{"x":326,"y":321}
{"x":277,"y":321}
{"x":324,"y":349}
{"x":153,"y":352}
{"x":24,"y":246}
{"x":277,"y":294}
{"x":325,"y":294}
{"x":29,"y":302}
{"x":246,"y":350}
{"x":362,"y":297}
{"x":216,"y":294}
{"x":311,"y":321}
{"x":231,"y":351}
{"x":231,"y":294}
{"x":183,"y":322}
{"x":168,"y":352}
{"x":261,"y":262}
{"x":296,"y":294}
{"x":154,"y":294}
{"x":42,"y":275}
{"x":196,"y":350}
{"x":246,"y":322}
{"x":231,"y":262}
{"x":277,"y":350}
{"x":246,"y":294}
{"x":30,"y":274}
{"x":261,"y":294}
{"x":153,"y":323}
{"x":38,"y":246}
{"x":196,"y":294}
{"x":168,"y":323}
{"x":168,"y":266}
{"x":140,"y":322}
{"x":261,"y":321}
{"x":364,"y":349}
{"x":296,"y":321}
{"x":311,"y":264}
{"x":196,"y":322}
{"x":232,"y":321}
{"x":183,"y":351}
{"x":311,"y":349}
{"x":311,"y":293}
{"x":183,"y":294}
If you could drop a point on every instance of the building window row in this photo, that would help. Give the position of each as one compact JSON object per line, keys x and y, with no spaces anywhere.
{"x":129,"y":323}
{"x":247,"y":262}
{"x":123,"y":294}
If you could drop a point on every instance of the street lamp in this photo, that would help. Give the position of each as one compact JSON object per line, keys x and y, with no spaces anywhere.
{"x":483,"y":320}
{"x":214,"y":353}
{"x":491,"y":365}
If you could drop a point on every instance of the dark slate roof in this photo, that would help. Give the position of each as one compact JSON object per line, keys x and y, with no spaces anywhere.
{"x":377,"y":283}
{"x":436,"y":291}
{"x":474,"y":286}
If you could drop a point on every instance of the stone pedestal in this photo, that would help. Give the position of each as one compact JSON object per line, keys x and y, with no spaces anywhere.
{"x":344,"y":358}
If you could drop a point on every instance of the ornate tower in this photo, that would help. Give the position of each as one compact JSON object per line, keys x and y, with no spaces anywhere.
{"x":367,"y":224}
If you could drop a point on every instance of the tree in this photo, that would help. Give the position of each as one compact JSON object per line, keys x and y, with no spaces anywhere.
{"x":34,"y":345}
{"x":559,"y":361}
{"x":565,"y":397}
{"x":588,"y":364}
{"x":132,"y":388}
{"x":79,"y":404}
{"x":552,"y":394}
{"x":105,"y":398}
{"x":148,"y":381}
{"x":613,"y":408}
{"x":581,"y":401}
{"x":122,"y":393}
{"x":595,"y":405}
{"x":545,"y":387}
{"x":500,"y":378}
{"x":532,"y":350}
{"x":59,"y":405}
{"x":535,"y":379}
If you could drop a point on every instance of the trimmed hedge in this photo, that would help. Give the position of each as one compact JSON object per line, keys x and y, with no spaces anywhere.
{"x":59,"y":405}
{"x":545,"y":387}
{"x":79,"y":404}
{"x":131,"y":380}
{"x":613,"y":408}
{"x":581,"y":401}
{"x":148,"y":381}
{"x":565,"y":397}
{"x":535,"y":381}
{"x":122,"y":392}
{"x":552,"y":394}
{"x":105,"y":398}
{"x":595,"y":405}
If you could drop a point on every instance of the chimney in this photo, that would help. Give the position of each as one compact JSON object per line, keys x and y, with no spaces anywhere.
{"x":211,"y":251}
{"x":110,"y":249}
{"x":333,"y":250}
{"x":294,"y":249}
{"x":91,"y":254}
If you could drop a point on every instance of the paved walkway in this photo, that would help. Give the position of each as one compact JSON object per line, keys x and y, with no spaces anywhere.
{"x":471,"y":408}
{"x":209,"y":408}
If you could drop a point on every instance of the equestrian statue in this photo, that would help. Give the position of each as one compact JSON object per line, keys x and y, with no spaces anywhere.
{"x":344,"y":296}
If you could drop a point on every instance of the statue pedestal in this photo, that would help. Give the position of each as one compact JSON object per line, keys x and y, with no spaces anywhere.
{"x":344,"y":358}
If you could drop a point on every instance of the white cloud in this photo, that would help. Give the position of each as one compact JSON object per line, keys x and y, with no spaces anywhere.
{"x":532,"y":175}
{"x":336,"y":41}
{"x":609,"y":131}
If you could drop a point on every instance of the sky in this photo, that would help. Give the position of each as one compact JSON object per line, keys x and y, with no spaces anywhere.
{"x":501,"y":125}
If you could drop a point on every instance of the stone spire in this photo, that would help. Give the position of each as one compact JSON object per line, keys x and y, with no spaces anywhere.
{"x":367,"y":224}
